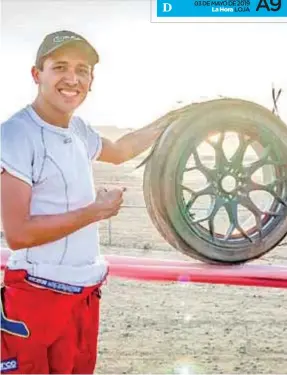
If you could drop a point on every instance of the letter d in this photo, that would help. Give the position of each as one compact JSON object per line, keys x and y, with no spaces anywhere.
{"x":167,"y":7}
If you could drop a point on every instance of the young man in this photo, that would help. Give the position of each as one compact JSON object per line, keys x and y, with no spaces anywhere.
{"x":50,"y":215}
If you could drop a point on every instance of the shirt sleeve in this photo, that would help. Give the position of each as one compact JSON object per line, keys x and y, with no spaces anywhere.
{"x":16,"y":151}
{"x":95,"y":143}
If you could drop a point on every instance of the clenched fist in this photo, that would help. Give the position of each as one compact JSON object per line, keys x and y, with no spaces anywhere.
{"x":108,"y":203}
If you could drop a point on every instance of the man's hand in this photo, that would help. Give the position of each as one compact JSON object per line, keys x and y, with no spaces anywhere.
{"x":108,"y":203}
{"x":164,"y":121}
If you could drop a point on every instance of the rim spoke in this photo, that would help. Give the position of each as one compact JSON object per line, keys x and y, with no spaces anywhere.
{"x":220,"y":158}
{"x":208,"y":190}
{"x":190,"y":169}
{"x":201,"y":167}
{"x":217,"y":204}
{"x":215,"y":207}
{"x":276,"y":196}
{"x":211,"y":227}
{"x":238,"y":156}
{"x":269,"y":188}
{"x":247,"y":202}
{"x":183,"y":187}
{"x":230,"y":230}
{"x":263,"y":161}
{"x":232,"y":211}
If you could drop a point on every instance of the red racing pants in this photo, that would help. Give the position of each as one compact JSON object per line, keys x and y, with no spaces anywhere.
{"x":48,"y":327}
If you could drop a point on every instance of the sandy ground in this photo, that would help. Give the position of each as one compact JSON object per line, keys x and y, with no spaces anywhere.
{"x":185,"y":328}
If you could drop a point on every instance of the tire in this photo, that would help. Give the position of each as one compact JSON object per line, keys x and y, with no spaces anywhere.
{"x":161,"y":177}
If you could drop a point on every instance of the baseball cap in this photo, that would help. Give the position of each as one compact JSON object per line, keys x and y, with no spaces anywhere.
{"x":61,"y":38}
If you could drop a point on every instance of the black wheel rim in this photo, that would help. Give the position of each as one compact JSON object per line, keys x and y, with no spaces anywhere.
{"x":230,"y":184}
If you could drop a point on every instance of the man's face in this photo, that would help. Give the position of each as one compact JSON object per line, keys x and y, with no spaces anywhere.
{"x":65,"y":79}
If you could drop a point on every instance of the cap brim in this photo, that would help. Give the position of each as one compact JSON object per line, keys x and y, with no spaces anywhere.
{"x":93,"y":53}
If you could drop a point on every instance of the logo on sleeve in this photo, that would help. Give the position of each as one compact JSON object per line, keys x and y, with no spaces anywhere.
{"x":9,"y":365}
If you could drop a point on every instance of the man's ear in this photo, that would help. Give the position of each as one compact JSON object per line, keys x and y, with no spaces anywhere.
{"x":35,"y":74}
{"x":92,"y":80}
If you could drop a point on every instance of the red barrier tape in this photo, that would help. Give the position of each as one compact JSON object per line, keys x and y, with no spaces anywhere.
{"x":148,"y":269}
{"x":180,"y":274}
{"x":263,"y":271}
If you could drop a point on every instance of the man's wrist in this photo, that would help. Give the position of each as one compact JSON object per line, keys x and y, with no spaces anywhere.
{"x":90,"y":213}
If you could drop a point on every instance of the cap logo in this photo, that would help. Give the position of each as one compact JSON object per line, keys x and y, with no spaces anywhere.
{"x":60,"y":39}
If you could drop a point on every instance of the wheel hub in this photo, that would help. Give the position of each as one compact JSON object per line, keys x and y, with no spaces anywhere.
{"x":228,"y":184}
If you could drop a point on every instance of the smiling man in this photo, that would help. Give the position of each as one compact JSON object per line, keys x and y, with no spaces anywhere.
{"x":50,"y":214}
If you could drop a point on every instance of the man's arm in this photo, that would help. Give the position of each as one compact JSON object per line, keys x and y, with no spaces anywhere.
{"x":128,"y":146}
{"x":136,"y":142}
{"x":23,"y":230}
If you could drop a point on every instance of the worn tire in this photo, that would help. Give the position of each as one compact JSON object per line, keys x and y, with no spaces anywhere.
{"x":160,"y":176}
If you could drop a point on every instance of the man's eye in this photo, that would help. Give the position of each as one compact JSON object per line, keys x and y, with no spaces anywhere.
{"x":59,"y":68}
{"x":84,"y":71}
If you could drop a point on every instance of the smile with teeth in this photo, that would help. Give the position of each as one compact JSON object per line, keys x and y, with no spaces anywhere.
{"x":69,"y":94}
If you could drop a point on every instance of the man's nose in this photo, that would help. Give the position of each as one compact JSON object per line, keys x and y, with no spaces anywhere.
{"x":71,"y":78}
